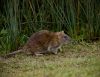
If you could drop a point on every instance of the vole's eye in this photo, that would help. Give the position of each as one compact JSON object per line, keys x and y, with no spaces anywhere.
{"x":65,"y":37}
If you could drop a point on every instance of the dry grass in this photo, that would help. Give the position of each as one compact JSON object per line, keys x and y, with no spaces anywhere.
{"x":74,"y":61}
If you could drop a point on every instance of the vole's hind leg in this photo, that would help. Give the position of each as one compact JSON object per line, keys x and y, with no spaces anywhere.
{"x":38,"y":53}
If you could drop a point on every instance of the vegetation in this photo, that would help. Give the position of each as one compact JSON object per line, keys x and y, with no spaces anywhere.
{"x":80,"y":19}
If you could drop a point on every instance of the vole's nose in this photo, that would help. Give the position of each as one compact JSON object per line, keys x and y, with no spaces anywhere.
{"x":67,"y":39}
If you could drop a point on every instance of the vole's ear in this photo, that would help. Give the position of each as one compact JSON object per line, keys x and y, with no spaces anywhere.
{"x":59,"y":33}
{"x":62,"y":31}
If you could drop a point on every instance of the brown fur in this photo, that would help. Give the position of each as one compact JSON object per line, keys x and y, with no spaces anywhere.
{"x":44,"y":41}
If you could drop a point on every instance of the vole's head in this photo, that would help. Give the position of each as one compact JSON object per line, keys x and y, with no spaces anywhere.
{"x":63,"y":38}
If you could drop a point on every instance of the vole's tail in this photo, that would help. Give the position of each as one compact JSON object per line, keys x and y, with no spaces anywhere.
{"x":12,"y":53}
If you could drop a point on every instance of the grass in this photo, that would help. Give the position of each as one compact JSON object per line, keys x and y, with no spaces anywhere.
{"x":80,"y":60}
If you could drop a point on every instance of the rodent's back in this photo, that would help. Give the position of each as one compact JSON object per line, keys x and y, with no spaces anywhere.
{"x":39,"y":41}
